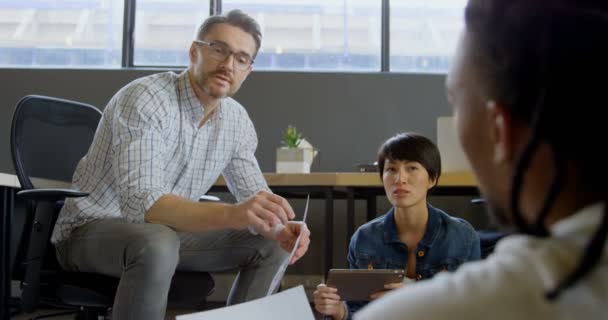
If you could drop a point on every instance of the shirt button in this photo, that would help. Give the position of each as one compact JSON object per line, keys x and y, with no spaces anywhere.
{"x":421,"y":253}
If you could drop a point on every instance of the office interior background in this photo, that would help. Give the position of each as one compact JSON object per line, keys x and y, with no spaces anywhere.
{"x":347,"y":73}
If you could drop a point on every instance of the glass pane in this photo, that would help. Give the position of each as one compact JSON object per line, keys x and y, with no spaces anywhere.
{"x":336,"y":35}
{"x":164,"y":30}
{"x":424,"y":33}
{"x":61,"y":33}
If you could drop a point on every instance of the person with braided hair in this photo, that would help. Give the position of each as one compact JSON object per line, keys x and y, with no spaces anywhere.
{"x":528,"y":112}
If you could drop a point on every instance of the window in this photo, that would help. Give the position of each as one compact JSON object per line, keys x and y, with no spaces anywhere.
{"x":423,"y":34}
{"x":298,"y":35}
{"x":61,"y":33}
{"x":342,"y":35}
{"x":165,"y":29}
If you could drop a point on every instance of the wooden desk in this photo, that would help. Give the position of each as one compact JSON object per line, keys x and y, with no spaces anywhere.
{"x":353,"y":179}
{"x":350,"y":186}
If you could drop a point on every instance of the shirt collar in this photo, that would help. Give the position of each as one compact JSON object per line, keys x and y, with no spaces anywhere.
{"x":189,"y":101}
{"x":391,"y":235}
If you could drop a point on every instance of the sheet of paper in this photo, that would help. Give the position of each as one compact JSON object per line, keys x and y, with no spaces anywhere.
{"x":289,"y":304}
{"x":276,"y":281}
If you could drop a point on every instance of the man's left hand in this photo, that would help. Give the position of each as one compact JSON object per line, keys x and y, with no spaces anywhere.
{"x":287,"y":239}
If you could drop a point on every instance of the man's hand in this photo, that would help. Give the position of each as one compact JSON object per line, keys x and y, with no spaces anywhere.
{"x":387,"y":288}
{"x":262,"y":211}
{"x":327,"y":302}
{"x":287,"y":236}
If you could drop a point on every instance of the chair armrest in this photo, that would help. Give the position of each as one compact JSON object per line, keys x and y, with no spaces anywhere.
{"x":478,"y":201}
{"x":50,"y":194}
{"x":207,"y":197}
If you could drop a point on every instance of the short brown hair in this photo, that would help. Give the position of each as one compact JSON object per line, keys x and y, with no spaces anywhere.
{"x":235,"y":18}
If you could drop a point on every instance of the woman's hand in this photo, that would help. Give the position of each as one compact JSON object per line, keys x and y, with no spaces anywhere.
{"x":327,"y":302}
{"x":387,"y":288}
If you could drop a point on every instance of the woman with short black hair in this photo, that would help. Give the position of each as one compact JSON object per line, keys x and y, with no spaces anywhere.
{"x":413,"y":235}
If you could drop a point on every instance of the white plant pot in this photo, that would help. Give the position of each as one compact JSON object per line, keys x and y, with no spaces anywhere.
{"x":294,"y":160}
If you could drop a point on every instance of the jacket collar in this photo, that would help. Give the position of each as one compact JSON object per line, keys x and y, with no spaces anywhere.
{"x":433,"y":226}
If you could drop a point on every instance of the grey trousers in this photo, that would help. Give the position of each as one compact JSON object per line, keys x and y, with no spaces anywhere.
{"x":145,"y":257}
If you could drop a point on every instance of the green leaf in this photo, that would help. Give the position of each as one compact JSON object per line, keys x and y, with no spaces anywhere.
{"x":292,"y":137}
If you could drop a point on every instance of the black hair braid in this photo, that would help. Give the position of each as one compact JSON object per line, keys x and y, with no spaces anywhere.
{"x":520,"y":168}
{"x":556,"y":186}
{"x":534,"y":75}
{"x":594,"y":249}
{"x":518,"y":177}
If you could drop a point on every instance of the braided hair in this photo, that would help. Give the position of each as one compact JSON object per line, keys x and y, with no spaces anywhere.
{"x":540,"y":60}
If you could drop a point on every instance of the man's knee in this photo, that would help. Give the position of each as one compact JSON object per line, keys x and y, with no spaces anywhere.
{"x":156,"y":250}
{"x":271,"y":252}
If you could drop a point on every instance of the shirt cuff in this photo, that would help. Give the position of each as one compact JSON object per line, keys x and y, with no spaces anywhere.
{"x":138,"y":204}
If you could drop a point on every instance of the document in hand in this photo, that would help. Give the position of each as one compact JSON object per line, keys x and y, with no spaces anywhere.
{"x":276,"y":281}
{"x":289,"y":304}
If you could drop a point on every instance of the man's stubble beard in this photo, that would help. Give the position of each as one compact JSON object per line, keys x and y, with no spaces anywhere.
{"x":204,"y":84}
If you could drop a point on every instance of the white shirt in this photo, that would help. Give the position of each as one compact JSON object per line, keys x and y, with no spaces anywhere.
{"x":511,"y":283}
{"x":148,"y":144}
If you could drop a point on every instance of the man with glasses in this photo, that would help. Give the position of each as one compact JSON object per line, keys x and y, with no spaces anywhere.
{"x":162,"y":142}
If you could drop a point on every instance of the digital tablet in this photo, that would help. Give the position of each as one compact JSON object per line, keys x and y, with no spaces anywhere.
{"x":360,"y":284}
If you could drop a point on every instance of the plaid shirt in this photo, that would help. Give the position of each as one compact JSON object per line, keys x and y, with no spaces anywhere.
{"x":148,"y":144}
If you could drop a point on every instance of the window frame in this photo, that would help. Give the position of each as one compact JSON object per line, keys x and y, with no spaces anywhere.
{"x":215,"y":7}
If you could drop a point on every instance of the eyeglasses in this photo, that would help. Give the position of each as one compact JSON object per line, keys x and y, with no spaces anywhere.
{"x":220,"y":51}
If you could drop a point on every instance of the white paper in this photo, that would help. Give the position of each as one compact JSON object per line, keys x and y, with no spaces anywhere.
{"x":276,"y":281}
{"x":289,"y":304}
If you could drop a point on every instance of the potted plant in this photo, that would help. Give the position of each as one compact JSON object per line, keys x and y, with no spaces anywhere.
{"x":292,"y":137}
{"x":296,"y":154}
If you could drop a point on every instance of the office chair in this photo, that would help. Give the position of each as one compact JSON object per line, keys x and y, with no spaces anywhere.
{"x":48,"y":138}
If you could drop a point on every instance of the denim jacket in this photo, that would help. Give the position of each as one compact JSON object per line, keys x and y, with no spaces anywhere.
{"x":447,"y":243}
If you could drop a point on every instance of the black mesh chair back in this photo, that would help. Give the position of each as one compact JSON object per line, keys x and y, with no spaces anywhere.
{"x":49,"y":137}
